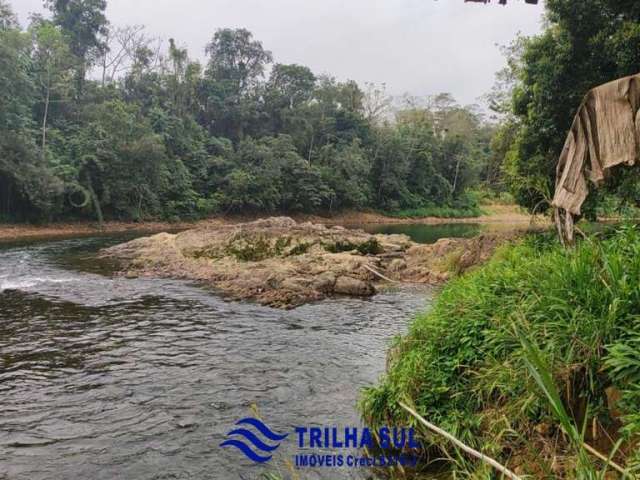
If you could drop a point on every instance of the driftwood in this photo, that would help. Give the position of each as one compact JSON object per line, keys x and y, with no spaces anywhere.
{"x":504,"y":471}
{"x":605,"y":133}
{"x":378,"y":274}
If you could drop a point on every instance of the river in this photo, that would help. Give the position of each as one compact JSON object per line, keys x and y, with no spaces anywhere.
{"x":104,"y":377}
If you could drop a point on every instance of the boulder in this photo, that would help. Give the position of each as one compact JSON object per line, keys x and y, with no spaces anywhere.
{"x":352,"y":286}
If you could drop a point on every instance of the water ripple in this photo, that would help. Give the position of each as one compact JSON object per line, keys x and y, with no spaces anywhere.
{"x":105,"y":377}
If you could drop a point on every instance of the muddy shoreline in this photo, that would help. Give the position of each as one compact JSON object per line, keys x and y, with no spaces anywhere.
{"x":498,"y":216}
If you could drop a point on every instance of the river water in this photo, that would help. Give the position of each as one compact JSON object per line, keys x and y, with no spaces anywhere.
{"x":104,"y":377}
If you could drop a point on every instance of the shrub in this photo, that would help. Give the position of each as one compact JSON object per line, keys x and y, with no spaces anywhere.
{"x":462,"y":363}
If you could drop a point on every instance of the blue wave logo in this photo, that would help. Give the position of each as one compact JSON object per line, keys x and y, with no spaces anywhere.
{"x":241,"y":438}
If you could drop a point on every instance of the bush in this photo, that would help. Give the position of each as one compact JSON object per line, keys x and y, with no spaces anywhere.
{"x":462,"y":362}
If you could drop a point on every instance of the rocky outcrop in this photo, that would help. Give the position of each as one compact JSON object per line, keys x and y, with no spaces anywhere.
{"x":281,"y":263}
{"x":438,"y":262}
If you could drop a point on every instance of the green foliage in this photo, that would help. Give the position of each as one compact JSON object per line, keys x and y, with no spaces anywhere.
{"x":345,"y":170}
{"x":27,"y":184}
{"x":465,"y":206}
{"x":466,"y":369}
{"x":340,"y":246}
{"x":370,"y":247}
{"x":256,"y":248}
{"x":440,"y":212}
{"x":170,"y":138}
{"x":533,"y":359}
{"x":431,"y":158}
{"x":584,"y":44}
{"x":299,"y":249}
{"x":251,"y":249}
{"x":83,"y":22}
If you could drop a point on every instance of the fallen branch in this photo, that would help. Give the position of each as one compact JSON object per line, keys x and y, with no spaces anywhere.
{"x":375,"y":272}
{"x":607,"y":461}
{"x":501,"y":468}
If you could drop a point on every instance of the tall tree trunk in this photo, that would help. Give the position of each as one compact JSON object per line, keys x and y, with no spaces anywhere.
{"x":455,"y":179}
{"x":95,"y":202}
{"x":45,"y":116}
{"x":313,"y":136}
{"x":81,"y":74}
{"x":104,"y":69}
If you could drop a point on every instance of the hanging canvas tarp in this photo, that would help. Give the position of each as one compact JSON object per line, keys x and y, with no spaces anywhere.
{"x":605,"y":133}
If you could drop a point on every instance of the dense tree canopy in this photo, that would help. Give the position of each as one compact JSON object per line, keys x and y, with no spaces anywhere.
{"x":585,"y":44}
{"x":98,"y":121}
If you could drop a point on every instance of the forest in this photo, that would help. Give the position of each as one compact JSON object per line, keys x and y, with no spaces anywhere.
{"x":99,"y":121}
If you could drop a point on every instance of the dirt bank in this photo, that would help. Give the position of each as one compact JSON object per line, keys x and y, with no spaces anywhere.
{"x":282,"y":263}
{"x":13,"y":232}
{"x":497,"y":216}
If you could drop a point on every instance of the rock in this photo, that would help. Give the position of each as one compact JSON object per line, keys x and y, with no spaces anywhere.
{"x":273,"y":222}
{"x":281,"y":263}
{"x":467,"y":259}
{"x":295,"y":284}
{"x":325,"y":282}
{"x":397,"y":265}
{"x":186,"y":423}
{"x":353,"y":286}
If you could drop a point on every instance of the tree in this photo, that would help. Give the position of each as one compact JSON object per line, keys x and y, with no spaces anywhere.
{"x":52,"y":61}
{"x":236,"y":59}
{"x":122,"y":46}
{"x":291,"y":84}
{"x":584,"y":45}
{"x":156,"y":136}
{"x":27,"y":186}
{"x":290,"y":88}
{"x":122,"y":163}
{"x":345,"y":170}
{"x":229,"y":91}
{"x":8,"y":19}
{"x":178,"y":61}
{"x":376,"y":104}
{"x":84,"y":22}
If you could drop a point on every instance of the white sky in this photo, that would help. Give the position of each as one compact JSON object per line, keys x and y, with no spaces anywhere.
{"x":420,"y":47}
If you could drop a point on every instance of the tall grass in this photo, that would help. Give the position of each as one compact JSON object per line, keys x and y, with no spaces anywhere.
{"x":466,"y":369}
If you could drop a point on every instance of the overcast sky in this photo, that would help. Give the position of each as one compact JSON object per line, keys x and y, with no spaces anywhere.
{"x":420,"y":47}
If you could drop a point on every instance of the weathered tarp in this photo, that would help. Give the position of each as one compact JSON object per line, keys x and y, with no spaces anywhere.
{"x":605,"y":133}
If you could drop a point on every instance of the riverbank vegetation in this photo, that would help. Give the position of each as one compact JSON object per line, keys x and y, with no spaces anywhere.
{"x":104,"y":121}
{"x":467,"y":211}
{"x":466,"y":364}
